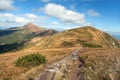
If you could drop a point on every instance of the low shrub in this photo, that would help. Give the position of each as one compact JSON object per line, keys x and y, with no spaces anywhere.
{"x":30,"y":60}
{"x":91,"y":45}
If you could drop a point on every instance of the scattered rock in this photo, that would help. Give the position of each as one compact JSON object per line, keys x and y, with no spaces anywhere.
{"x":59,"y":75}
{"x":66,"y":69}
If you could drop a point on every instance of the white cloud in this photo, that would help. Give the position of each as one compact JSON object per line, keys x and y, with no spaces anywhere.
{"x":6,"y":15}
{"x":6,"y":5}
{"x":21,"y":20}
{"x":91,"y":12}
{"x":55,"y":23}
{"x":67,"y":16}
{"x":33,"y":16}
{"x":8,"y":19}
{"x":87,"y":24}
{"x":13,"y":18}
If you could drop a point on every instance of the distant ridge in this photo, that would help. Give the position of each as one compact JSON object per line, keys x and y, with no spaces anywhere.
{"x":24,"y":33}
{"x":87,"y":36}
{"x":117,"y":36}
{"x":14,"y":38}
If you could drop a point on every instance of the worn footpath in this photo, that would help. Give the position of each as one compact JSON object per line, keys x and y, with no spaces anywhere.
{"x":66,"y":69}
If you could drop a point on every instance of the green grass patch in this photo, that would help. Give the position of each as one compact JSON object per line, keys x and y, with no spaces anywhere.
{"x":91,"y":45}
{"x":30,"y":60}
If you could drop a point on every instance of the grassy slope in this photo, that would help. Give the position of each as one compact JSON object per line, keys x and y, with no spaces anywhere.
{"x":85,"y":37}
{"x":13,"y":39}
{"x":101,"y":64}
{"x":8,"y":70}
{"x":18,"y":36}
{"x":59,"y":47}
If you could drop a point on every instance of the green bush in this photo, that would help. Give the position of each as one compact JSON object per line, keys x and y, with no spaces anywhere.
{"x":30,"y":60}
{"x":92,"y":45}
{"x":7,"y":79}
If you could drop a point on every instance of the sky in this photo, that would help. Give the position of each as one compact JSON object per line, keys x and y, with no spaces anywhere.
{"x":61,"y":14}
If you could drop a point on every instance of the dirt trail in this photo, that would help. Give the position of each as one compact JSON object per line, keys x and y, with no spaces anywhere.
{"x":66,"y":69}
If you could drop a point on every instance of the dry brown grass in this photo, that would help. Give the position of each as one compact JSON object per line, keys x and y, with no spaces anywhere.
{"x":78,"y":37}
{"x":8,"y":70}
{"x":101,"y":64}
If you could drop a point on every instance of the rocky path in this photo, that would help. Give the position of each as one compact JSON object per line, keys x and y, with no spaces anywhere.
{"x":66,"y":69}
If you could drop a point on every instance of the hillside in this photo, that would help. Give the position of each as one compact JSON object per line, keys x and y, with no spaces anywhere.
{"x":98,"y":64}
{"x":18,"y":34}
{"x":78,"y":37}
{"x":100,"y":54}
{"x":86,"y":64}
{"x":13,"y":38}
{"x":8,"y":70}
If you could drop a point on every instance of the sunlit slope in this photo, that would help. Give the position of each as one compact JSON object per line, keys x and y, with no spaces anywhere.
{"x":78,"y":37}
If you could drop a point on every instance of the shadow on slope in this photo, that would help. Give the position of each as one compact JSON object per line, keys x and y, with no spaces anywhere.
{"x":6,"y":32}
{"x":10,"y":47}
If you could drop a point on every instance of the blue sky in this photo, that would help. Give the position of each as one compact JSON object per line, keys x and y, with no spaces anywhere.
{"x":61,"y":14}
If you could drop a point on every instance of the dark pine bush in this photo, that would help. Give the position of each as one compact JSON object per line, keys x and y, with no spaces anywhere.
{"x":30,"y":60}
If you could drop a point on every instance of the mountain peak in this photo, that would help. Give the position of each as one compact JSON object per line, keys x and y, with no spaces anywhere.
{"x":32,"y":27}
{"x":30,"y":24}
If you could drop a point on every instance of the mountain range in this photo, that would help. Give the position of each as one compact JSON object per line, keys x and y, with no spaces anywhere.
{"x":35,"y":36}
{"x":14,"y":38}
{"x":79,"y":37}
{"x":85,"y":52}
{"x":20,"y":34}
{"x":117,"y":36}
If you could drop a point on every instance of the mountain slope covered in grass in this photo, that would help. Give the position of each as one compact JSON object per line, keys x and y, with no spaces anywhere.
{"x":14,"y":38}
{"x":78,"y":37}
{"x":19,"y":34}
{"x":101,"y":63}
